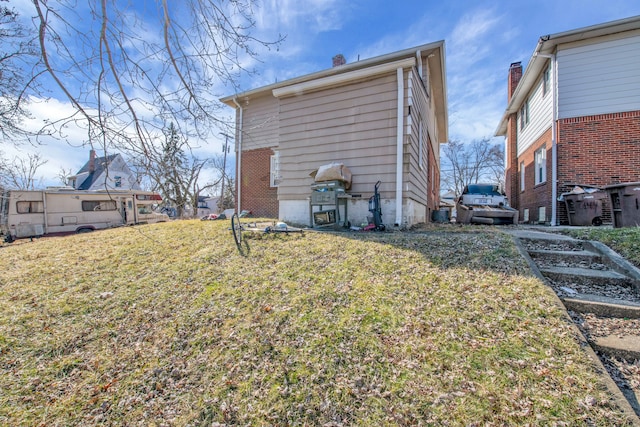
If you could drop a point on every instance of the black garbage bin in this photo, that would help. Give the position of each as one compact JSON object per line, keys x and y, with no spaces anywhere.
{"x":584,"y":208}
{"x":625,"y":204}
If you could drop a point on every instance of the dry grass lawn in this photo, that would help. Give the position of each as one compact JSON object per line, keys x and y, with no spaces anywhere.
{"x":169,"y":325}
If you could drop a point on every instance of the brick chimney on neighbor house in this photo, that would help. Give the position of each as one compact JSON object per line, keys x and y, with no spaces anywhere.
{"x":515,"y":74}
{"x":511,"y":173}
{"x":92,"y":161}
{"x":339,"y":60}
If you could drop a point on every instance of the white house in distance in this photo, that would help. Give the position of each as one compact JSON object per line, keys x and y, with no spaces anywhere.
{"x":99,"y":173}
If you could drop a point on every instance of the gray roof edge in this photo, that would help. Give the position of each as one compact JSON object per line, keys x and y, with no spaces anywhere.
{"x":405,"y":53}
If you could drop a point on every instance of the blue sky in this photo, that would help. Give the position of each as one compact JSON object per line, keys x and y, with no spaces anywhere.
{"x":482,"y":39}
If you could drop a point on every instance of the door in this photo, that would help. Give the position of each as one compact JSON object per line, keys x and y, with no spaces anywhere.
{"x":128,"y":211}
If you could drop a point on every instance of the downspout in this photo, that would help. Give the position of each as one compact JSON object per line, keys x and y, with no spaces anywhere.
{"x":399,"y":148}
{"x":239,"y":158}
{"x":554,"y":142}
{"x":419,"y":59}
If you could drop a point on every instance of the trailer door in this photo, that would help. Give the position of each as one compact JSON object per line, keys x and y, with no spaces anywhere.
{"x":128,"y":211}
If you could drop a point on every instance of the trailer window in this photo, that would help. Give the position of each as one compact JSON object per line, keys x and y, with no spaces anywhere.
{"x":99,"y":205}
{"x":144,"y":210}
{"x":30,"y":207}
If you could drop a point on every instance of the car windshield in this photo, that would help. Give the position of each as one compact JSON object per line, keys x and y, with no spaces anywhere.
{"x":484,"y":189}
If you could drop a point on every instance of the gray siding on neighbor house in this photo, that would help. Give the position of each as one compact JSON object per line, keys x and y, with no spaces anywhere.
{"x":353,"y":124}
{"x":260,"y":127}
{"x":599,"y":78}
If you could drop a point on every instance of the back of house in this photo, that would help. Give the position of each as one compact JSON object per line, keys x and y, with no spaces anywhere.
{"x":383,"y":118}
{"x":64,"y":210}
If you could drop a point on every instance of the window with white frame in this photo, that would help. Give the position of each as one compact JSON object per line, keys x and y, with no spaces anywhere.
{"x":521,"y":176}
{"x":274,"y":171}
{"x":524,"y":114}
{"x":546,"y":80}
{"x":420,"y":146}
{"x":541,"y":165}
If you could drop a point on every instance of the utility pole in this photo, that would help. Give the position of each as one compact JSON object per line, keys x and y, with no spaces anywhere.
{"x":225,"y":150}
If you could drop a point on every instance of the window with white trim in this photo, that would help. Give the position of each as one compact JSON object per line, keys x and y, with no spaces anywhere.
{"x":521,"y":176}
{"x":274,"y":171}
{"x":541,"y":165}
{"x":546,"y":80}
{"x":524,"y":114}
{"x":420,"y":145}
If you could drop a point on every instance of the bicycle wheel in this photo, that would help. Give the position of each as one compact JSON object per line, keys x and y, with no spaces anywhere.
{"x":236,"y":228}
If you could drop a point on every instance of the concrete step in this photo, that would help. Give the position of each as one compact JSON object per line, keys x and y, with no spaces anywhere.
{"x":602,"y":306}
{"x":585,"y":275}
{"x":566,"y":257}
{"x":624,"y":347}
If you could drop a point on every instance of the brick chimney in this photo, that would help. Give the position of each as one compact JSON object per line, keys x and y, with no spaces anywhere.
{"x":515,"y":74}
{"x":92,"y":161}
{"x":512,"y":173}
{"x":339,"y":60}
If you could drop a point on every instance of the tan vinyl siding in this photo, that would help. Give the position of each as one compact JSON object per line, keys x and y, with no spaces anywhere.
{"x":354,"y":125}
{"x":414,"y":174}
{"x":260,"y":127}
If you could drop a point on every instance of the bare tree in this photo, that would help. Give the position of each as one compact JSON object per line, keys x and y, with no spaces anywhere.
{"x":464,"y":164}
{"x":228,"y":199}
{"x":129,"y":68}
{"x":20,"y":173}
{"x":63,"y":175}
{"x":174,"y":171}
{"x":16,"y":48}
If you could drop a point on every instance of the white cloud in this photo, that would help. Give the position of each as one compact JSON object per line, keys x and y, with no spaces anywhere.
{"x":309,"y":17}
{"x":301,"y":24}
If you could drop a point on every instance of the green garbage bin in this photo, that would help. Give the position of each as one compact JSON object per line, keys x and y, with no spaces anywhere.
{"x":625,"y":204}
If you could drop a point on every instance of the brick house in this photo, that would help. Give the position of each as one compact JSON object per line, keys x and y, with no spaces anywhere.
{"x":384,"y":118}
{"x":573,"y":117}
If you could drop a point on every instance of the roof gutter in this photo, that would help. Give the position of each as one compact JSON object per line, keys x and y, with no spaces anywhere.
{"x":340,"y":79}
{"x":366,"y":63}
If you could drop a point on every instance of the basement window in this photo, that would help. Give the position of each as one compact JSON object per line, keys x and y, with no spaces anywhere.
{"x":542,"y":215}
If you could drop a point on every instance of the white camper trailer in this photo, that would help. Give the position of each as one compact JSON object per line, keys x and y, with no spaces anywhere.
{"x":65,"y":210}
